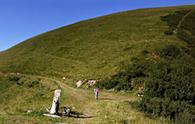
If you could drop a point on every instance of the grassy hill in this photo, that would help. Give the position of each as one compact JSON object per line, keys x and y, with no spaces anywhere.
{"x":146,"y":51}
{"x":93,"y":48}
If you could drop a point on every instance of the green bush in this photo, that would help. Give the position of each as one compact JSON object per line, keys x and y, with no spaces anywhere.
{"x":170,"y":92}
{"x":32,"y":83}
{"x":107,"y":84}
{"x":176,"y":111}
{"x":186,"y":35}
{"x":119,"y":81}
{"x":186,"y":117}
{"x":174,"y":18}
{"x":170,"y":52}
{"x":28,"y":82}
{"x":123,"y":80}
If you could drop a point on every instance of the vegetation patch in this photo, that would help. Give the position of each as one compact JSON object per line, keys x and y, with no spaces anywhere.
{"x":173,"y":20}
{"x":168,"y":84}
{"x":22,"y":80}
{"x":169,"y":52}
{"x":182,"y":23}
{"x":130,"y":76}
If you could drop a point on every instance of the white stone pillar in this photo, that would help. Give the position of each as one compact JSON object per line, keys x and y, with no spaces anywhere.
{"x":56,"y":102}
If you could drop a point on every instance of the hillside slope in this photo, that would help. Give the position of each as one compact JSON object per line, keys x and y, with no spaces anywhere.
{"x":93,"y":48}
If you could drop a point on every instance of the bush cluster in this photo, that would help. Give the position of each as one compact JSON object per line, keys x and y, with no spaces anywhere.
{"x":169,"y":52}
{"x":173,"y":20}
{"x":23,"y":80}
{"x":123,"y":80}
{"x":186,"y":35}
{"x":170,"y":92}
{"x":28,"y":82}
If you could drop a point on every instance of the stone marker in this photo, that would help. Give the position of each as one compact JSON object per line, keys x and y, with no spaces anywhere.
{"x":79,"y":83}
{"x":56,"y":102}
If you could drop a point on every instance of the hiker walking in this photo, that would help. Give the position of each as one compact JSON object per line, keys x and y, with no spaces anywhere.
{"x":96,"y":93}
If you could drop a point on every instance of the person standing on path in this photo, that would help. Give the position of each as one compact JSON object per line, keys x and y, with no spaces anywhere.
{"x":96,"y":93}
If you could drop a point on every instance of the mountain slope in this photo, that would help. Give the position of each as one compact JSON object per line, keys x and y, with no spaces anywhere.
{"x":93,"y":48}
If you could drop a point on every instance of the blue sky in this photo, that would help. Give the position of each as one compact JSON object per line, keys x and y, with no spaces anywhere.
{"x":22,"y":19}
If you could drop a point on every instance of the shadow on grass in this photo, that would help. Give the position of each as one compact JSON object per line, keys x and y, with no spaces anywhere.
{"x":75,"y":114}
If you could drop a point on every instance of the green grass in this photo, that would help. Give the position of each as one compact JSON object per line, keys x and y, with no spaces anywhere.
{"x":112,"y":107}
{"x":106,"y":48}
{"x":93,"y":48}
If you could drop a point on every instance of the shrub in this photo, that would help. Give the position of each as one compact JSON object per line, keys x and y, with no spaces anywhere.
{"x":28,"y":82}
{"x":186,"y":117}
{"x":176,"y":111}
{"x":170,"y":92}
{"x":169,"y":52}
{"x":155,"y":88}
{"x":174,"y":18}
{"x":32,"y":83}
{"x":107,"y":84}
{"x":186,"y":35}
{"x":122,"y":80}
{"x":119,"y":81}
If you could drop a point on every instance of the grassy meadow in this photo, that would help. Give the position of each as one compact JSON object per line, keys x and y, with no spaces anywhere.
{"x":112,"y":107}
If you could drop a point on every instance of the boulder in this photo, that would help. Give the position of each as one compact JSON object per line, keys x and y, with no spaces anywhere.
{"x":91,"y":82}
{"x":79,"y":83}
